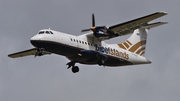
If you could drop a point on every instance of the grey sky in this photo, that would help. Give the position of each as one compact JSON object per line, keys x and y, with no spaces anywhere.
{"x":47,"y":78}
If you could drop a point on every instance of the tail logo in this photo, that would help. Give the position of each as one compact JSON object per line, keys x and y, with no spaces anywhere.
{"x":137,"y":48}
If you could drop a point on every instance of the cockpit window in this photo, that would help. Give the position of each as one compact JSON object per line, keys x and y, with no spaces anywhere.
{"x":47,"y":32}
{"x":41,"y":32}
{"x":51,"y":32}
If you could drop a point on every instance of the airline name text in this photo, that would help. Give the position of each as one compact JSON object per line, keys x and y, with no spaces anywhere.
{"x":112,"y":52}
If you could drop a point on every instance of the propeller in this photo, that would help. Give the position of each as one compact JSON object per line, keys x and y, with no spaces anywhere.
{"x":98,"y":31}
{"x":93,"y":28}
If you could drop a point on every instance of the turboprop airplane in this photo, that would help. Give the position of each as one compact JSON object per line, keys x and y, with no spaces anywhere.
{"x":91,"y":49}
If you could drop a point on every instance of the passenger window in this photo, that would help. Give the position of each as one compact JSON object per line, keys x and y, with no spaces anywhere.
{"x":83,"y":42}
{"x":79,"y":41}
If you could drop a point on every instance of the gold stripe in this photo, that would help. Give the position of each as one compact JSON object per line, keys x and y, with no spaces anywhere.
{"x":128,"y":42}
{"x":127,"y":46}
{"x":142,"y":53}
{"x":140,"y":50}
{"x":137,"y":45}
{"x":121,"y":46}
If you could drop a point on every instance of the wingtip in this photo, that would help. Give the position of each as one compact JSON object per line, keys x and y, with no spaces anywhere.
{"x":10,"y":56}
{"x":163,"y":12}
{"x":165,"y":22}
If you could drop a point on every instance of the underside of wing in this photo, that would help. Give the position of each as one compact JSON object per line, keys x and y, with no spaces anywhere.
{"x":129,"y":26}
{"x":33,"y":51}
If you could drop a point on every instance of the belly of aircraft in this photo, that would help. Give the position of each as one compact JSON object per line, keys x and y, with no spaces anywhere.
{"x":72,"y":53}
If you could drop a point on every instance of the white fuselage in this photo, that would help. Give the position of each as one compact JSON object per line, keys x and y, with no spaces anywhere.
{"x":69,"y":46}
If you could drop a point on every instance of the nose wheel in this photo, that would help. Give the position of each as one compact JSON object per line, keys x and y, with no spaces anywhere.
{"x":74,"y":68}
{"x":39,"y":52}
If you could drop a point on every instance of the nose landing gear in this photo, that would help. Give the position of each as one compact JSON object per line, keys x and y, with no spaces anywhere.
{"x":74,"y":68}
{"x":39,"y":52}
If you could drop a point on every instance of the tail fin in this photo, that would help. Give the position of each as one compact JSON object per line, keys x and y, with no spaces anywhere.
{"x":136,"y":43}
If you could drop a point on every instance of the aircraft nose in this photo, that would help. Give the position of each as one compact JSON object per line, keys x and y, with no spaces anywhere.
{"x":35,"y":40}
{"x":36,"y":37}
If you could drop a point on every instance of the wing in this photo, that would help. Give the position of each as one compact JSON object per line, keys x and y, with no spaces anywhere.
{"x":103,"y":33}
{"x":29,"y":52}
{"x":129,"y":26}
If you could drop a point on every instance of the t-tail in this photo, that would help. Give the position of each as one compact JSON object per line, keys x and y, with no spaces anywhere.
{"x":136,"y":43}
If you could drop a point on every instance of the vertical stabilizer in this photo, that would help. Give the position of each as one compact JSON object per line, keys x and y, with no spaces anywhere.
{"x":136,"y":43}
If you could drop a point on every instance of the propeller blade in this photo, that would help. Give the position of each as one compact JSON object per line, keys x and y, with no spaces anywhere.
{"x":93,"y":20}
{"x":85,"y":30}
{"x":93,"y":25}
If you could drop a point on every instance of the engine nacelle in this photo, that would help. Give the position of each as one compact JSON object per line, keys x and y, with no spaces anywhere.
{"x":89,"y":54}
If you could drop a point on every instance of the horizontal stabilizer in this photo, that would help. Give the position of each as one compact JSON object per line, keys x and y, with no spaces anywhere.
{"x":129,"y":26}
{"x":152,"y":25}
{"x":125,"y":28}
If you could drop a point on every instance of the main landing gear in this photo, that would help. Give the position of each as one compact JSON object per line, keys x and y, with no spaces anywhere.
{"x":101,"y":62}
{"x":74,"y":68}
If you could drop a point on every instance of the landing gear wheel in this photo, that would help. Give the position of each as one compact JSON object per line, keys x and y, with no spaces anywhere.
{"x":75,"y":69}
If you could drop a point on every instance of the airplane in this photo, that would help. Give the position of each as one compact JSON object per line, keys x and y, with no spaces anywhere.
{"x":91,"y":49}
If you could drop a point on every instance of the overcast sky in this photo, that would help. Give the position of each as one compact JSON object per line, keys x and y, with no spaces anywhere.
{"x":48,"y":79}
